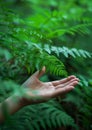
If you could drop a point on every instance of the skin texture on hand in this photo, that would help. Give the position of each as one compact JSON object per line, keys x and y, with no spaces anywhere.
{"x":39,"y":91}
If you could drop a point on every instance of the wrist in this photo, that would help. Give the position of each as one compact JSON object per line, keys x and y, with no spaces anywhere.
{"x":28,"y":98}
{"x":24,"y":99}
{"x":17,"y":99}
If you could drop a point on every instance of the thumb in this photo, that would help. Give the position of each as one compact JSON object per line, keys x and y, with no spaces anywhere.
{"x":38,"y":74}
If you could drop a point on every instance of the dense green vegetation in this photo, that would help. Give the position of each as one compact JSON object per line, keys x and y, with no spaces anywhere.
{"x":57,"y":34}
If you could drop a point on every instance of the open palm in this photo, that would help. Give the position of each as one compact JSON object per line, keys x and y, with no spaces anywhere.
{"x":42,"y":91}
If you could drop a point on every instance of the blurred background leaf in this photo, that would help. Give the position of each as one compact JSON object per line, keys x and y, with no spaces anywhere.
{"x":57,"y":34}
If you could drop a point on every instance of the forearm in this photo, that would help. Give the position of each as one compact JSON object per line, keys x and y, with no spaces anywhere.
{"x":12,"y":104}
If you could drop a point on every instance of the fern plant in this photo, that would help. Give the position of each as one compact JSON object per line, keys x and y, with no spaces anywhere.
{"x":55,"y":116}
{"x":67,"y":51}
{"x":47,"y":36}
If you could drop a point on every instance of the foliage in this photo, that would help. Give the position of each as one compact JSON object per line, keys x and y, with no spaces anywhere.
{"x":55,"y":116}
{"x":34,"y":33}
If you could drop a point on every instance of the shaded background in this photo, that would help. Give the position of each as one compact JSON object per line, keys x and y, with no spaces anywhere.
{"x":57,"y":34}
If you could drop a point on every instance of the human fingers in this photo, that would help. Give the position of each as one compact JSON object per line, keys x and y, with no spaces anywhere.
{"x":57,"y":82}
{"x":64,"y":90}
{"x":67,"y":83}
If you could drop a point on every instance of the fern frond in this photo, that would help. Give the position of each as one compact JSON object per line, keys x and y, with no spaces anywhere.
{"x":49,"y":117}
{"x":67,"y":51}
{"x":77,"y":19}
{"x":80,"y":29}
{"x":33,"y":56}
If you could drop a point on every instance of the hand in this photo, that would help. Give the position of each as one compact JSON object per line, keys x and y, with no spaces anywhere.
{"x":38,"y":91}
